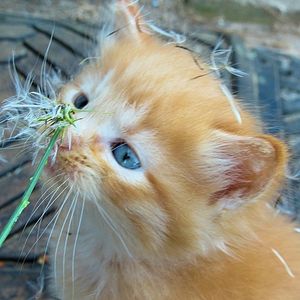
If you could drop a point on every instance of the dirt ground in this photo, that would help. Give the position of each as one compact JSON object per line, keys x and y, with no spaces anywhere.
{"x":269,"y":23}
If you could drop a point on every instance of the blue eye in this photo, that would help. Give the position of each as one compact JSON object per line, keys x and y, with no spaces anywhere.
{"x":125,"y":156}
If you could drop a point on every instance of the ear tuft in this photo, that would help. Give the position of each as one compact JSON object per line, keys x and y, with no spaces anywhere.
{"x":244,"y":168}
{"x":128,"y":17}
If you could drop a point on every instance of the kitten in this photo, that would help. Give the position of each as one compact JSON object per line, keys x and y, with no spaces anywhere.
{"x":164,"y":195}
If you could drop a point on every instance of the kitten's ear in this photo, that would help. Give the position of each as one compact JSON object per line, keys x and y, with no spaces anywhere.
{"x":243,"y":169}
{"x":128,"y":18}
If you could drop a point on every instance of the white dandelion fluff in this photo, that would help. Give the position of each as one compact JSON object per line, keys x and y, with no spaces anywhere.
{"x":284,"y":263}
{"x":220,"y":60}
{"x":32,"y":116}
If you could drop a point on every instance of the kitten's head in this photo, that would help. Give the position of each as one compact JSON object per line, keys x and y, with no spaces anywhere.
{"x":161,"y":153}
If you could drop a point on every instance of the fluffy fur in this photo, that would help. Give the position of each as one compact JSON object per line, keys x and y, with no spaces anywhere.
{"x":194,"y":222}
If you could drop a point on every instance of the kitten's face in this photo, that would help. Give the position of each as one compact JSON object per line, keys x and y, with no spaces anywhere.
{"x":161,"y":152}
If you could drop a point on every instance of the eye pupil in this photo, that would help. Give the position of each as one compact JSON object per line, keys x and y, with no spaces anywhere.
{"x":81,"y":101}
{"x":125,"y":156}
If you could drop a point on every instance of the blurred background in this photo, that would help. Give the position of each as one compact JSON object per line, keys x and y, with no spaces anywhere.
{"x":273,"y":23}
{"x":263,"y":35}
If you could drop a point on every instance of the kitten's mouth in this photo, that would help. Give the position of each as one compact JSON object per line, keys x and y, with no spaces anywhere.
{"x":68,"y":162}
{"x":64,"y":148}
{"x":50,"y":169}
{"x":61,"y":161}
{"x":62,"y":166}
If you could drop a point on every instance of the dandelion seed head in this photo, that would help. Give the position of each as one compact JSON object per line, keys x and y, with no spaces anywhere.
{"x":32,"y":115}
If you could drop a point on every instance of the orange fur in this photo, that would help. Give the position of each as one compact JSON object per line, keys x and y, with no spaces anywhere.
{"x":194,"y":220}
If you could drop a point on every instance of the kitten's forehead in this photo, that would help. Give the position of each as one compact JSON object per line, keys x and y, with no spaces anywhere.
{"x":148,"y":86}
{"x":107,"y":98}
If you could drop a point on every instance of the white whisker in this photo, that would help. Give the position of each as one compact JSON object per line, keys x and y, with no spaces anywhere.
{"x":50,"y":204}
{"x":55,"y":217}
{"x":74,"y":247}
{"x":74,"y":204}
{"x":40,"y":218}
{"x":39,"y":202}
{"x":110,"y":223}
{"x":43,"y":81}
{"x":60,"y":235}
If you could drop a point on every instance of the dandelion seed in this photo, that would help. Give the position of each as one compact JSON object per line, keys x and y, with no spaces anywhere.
{"x":232,"y":103}
{"x":88,"y":59}
{"x":220,"y":60}
{"x":176,"y":37}
{"x":235,"y":72}
{"x":281,"y":259}
{"x":295,"y":176}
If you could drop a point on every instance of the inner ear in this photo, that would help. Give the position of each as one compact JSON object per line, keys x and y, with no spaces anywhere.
{"x":243,"y":167}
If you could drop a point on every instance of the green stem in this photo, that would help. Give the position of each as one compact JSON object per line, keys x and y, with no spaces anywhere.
{"x":33,"y":181}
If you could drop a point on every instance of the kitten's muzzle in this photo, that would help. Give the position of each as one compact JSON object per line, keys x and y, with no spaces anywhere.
{"x":68,"y":142}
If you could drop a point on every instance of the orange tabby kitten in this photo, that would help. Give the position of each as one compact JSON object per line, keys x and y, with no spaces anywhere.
{"x":167,"y":195}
